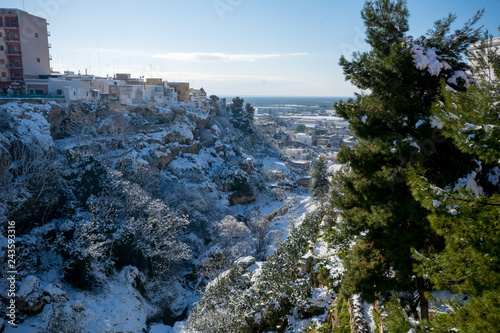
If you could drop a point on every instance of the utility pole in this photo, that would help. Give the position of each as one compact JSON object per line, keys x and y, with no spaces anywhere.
{"x":99,"y":58}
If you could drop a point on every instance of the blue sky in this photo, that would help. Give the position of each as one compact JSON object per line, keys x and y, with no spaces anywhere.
{"x":229,"y":47}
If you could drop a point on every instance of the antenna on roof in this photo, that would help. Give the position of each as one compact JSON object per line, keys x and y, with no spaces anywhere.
{"x":23,"y":6}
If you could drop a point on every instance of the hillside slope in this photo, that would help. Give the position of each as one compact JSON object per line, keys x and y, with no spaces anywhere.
{"x":120,"y":210}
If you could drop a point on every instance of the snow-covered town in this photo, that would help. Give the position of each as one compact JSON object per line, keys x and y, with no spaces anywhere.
{"x":25,"y":66}
{"x":232,"y":189}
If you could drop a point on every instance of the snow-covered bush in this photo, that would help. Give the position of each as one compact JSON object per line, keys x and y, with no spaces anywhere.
{"x":86,"y":175}
{"x":232,"y":177}
{"x":156,"y":238}
{"x":231,"y":239}
{"x":240,"y":301}
{"x":260,"y":229}
{"x":31,"y":183}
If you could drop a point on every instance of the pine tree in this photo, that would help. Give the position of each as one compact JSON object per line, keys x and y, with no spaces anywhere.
{"x":249,"y":113}
{"x":466,"y":212}
{"x":237,"y":113}
{"x":242,"y":118}
{"x":392,"y":120}
{"x":321,"y":185}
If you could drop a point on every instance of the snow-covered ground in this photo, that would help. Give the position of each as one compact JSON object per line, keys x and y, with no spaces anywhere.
{"x":116,"y":305}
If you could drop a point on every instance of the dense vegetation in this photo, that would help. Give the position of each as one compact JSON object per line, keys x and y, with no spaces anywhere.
{"x":420,"y":196}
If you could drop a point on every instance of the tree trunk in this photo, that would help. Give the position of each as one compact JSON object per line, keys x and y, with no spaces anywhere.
{"x":424,"y":306}
{"x":379,"y":321}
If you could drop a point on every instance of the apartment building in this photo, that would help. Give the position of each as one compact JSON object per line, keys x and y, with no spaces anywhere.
{"x":474,"y":49}
{"x":25,"y":69}
{"x":24,"y":50}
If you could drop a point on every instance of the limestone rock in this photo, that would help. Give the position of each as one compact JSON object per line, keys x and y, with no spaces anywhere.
{"x":238,"y":198}
{"x":245,"y":262}
{"x":54,"y":293}
{"x":29,"y":297}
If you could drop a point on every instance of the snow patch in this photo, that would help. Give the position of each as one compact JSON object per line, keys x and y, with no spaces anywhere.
{"x":322,"y":297}
{"x":459,"y":74}
{"x":419,"y":123}
{"x":494,"y":176}
{"x":160,"y":328}
{"x":469,"y":182}
{"x":427,"y":59}
{"x":436,"y":123}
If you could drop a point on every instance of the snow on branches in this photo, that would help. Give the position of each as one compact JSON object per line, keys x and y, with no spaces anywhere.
{"x":428,"y":58}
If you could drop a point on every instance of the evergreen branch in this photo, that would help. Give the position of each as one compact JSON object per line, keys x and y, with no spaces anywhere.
{"x":461,"y":280}
{"x":479,"y":202}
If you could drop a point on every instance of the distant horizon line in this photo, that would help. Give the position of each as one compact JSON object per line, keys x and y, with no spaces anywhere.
{"x":283,"y":96}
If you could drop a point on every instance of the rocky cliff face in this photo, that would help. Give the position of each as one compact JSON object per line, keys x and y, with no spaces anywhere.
{"x":97,"y":190}
{"x":203,"y":141}
{"x":169,"y":131}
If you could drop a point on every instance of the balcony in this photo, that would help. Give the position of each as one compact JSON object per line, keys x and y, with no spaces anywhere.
{"x":48,"y":33}
{"x":13,"y":52}
{"x":50,"y":45}
{"x":16,"y":80}
{"x":12,"y":39}
{"x":15,"y":65}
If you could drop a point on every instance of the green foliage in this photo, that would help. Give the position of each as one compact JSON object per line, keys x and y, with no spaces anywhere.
{"x":301,"y":128}
{"x":321,"y":185}
{"x":470,"y":262}
{"x":249,"y":112}
{"x":470,"y":117}
{"x":392,"y":124}
{"x":242,"y":117}
{"x":477,"y":315}
{"x":396,"y":319}
{"x":465,"y":211}
{"x":343,"y":319}
{"x":280,"y":286}
{"x":325,"y":328}
{"x":323,"y":277}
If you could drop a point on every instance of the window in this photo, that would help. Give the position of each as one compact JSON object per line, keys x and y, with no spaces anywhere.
{"x":37,"y":59}
{"x":2,"y":61}
{"x":1,"y":47}
{"x":36,"y":34}
{"x":1,"y":34}
{"x":4,"y":74}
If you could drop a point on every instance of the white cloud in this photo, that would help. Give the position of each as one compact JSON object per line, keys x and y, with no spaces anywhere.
{"x":223,"y":57}
{"x":227,"y":77}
